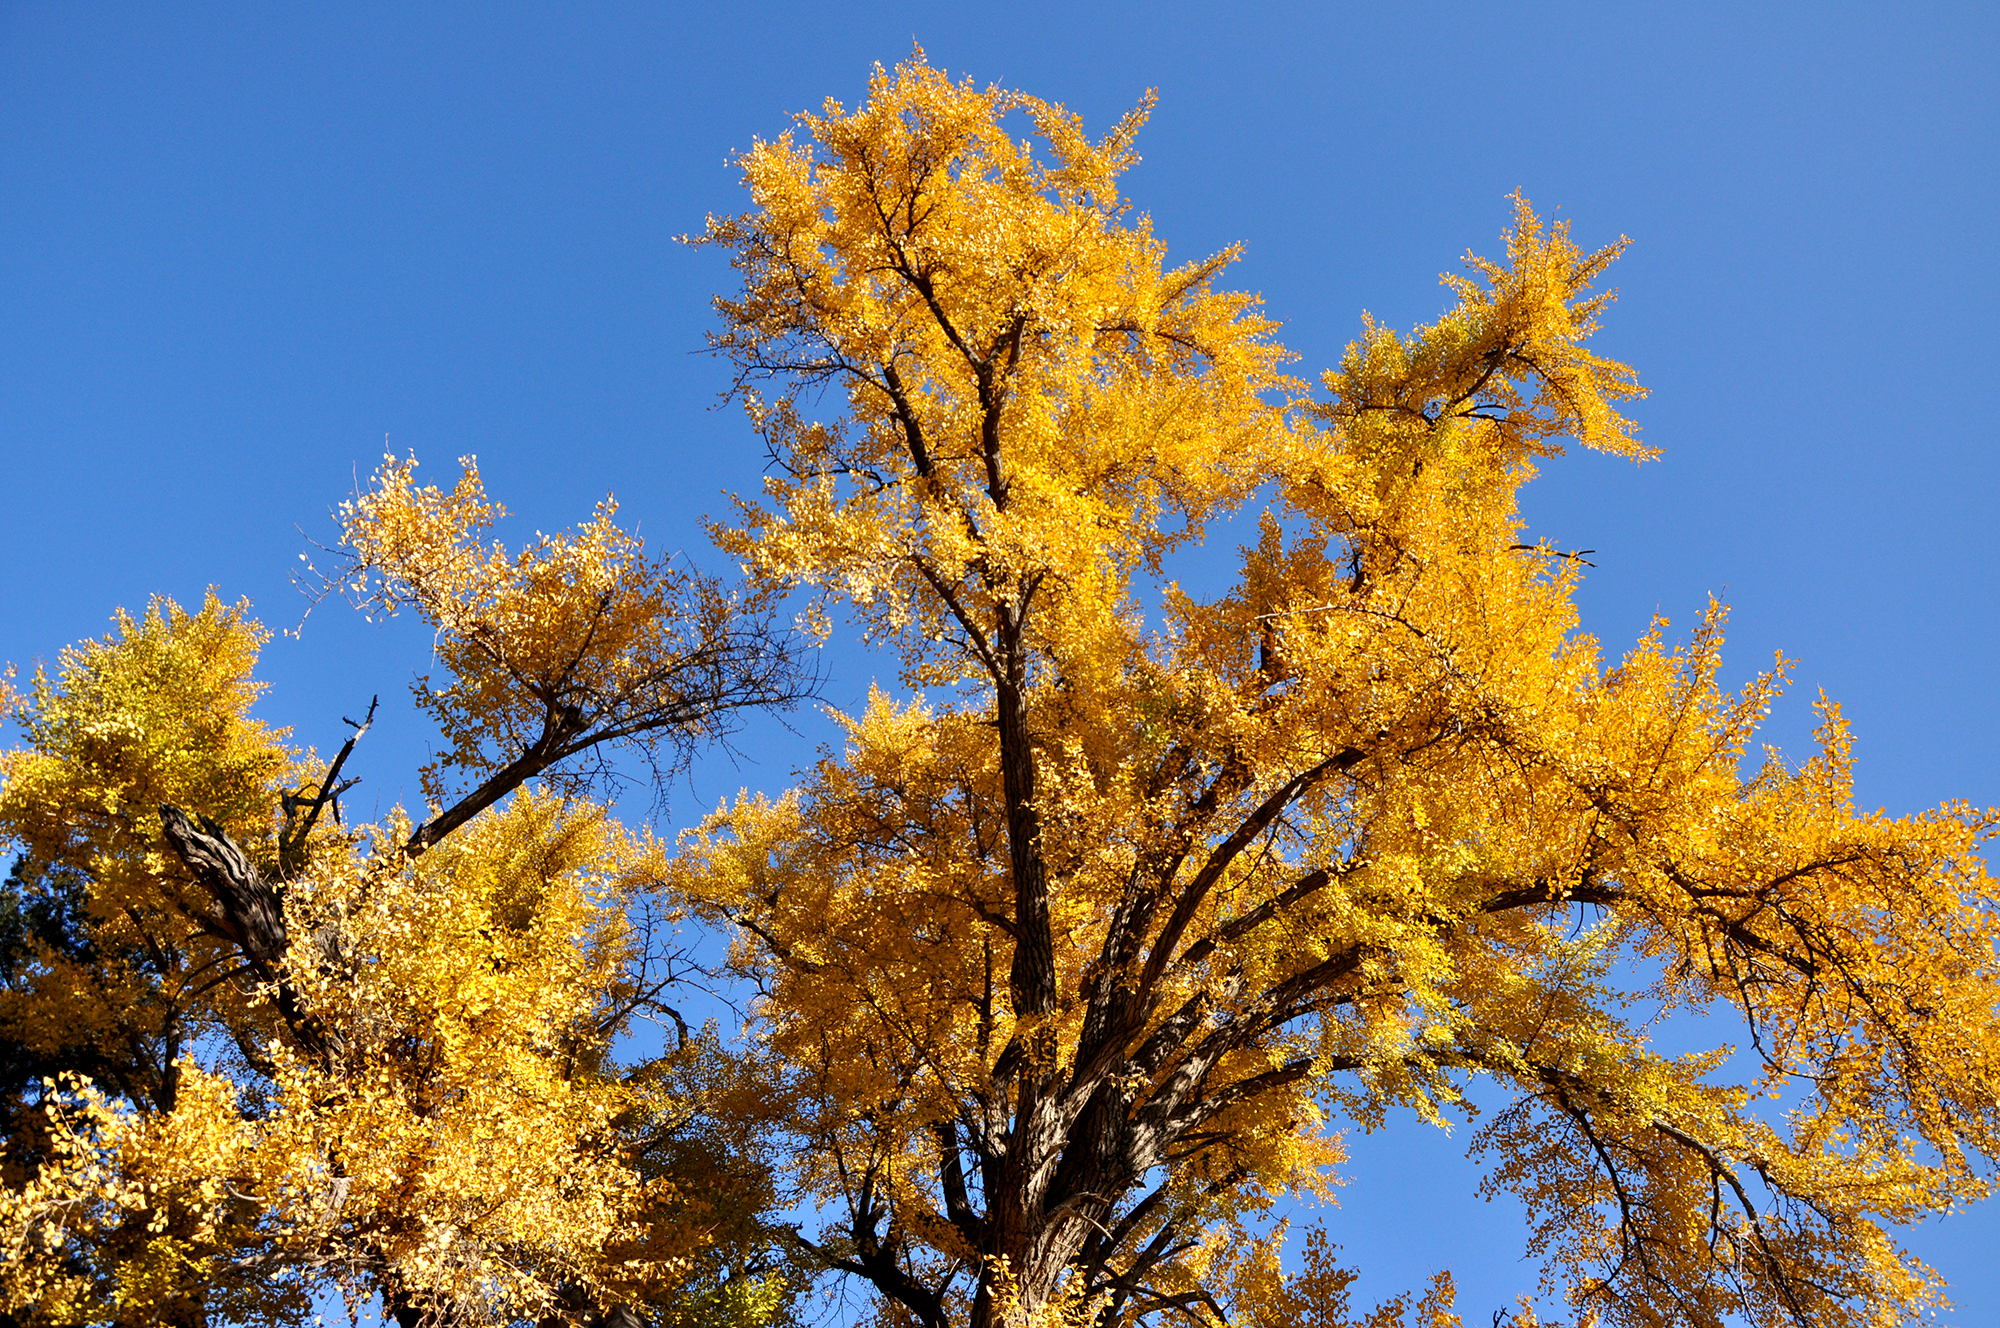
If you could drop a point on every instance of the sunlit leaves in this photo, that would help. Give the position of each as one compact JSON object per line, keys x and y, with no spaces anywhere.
{"x":254,"y":1053}
{"x":576,"y":641}
{"x":1079,"y":959}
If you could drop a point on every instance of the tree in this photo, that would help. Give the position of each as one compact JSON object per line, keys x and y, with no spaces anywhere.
{"x":1073,"y":961}
{"x":1075,"y":957}
{"x":252,"y":1052}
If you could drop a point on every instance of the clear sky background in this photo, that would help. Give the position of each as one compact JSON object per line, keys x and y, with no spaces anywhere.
{"x":242,"y":244}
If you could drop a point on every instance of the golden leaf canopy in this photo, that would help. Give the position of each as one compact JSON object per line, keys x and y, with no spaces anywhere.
{"x":1082,"y":956}
{"x":1118,"y":903}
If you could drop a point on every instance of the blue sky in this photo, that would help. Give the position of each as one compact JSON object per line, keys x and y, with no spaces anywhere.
{"x":241,"y":245}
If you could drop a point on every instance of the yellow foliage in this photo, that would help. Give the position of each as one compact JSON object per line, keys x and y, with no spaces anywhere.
{"x":1260,"y":1293}
{"x":159,"y":713}
{"x":252,"y":1053}
{"x":1078,"y":958}
{"x":928,"y":266}
{"x":1068,"y":966}
{"x":575,"y":642}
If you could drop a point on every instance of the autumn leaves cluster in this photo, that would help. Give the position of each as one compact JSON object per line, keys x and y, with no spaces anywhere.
{"x":1109,"y":915}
